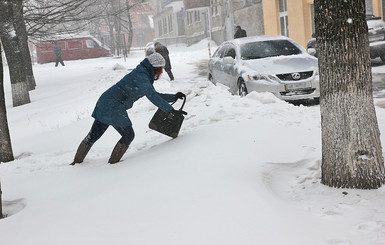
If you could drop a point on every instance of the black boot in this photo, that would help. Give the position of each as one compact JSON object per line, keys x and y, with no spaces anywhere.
{"x":81,"y":153}
{"x":117,"y":153}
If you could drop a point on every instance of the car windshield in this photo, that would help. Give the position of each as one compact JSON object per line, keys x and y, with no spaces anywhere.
{"x":259,"y":50}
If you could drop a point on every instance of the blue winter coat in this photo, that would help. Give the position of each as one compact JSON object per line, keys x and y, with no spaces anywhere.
{"x":113,"y":103}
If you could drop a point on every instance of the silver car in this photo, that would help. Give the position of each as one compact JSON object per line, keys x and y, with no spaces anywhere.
{"x":273,"y":64}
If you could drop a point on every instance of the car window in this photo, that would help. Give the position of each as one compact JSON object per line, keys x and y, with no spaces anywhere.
{"x":230,"y":52}
{"x":74,"y":44}
{"x":216,"y":53}
{"x":271,"y":48}
{"x":222,"y":51}
{"x":219,"y":52}
{"x":91,"y":44}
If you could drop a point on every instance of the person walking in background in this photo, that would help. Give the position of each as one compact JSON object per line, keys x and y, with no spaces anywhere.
{"x":161,"y":49}
{"x":113,"y":103}
{"x":58,"y":52}
{"x":239,"y":32}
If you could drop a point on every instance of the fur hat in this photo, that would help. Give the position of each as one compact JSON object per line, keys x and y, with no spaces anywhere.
{"x":149,"y":49}
{"x":156,"y":60}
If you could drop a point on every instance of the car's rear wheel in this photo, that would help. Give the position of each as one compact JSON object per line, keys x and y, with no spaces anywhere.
{"x":242,"y":89}
{"x":382,"y":57}
{"x":211,"y":79}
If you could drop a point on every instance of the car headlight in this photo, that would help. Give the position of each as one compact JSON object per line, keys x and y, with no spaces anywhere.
{"x":255,"y":77}
{"x":259,"y":77}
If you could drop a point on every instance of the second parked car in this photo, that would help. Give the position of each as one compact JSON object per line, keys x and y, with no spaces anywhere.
{"x":273,"y":64}
{"x":376,"y":33}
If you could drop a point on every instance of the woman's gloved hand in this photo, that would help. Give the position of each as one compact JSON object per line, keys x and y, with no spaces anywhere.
{"x":179,"y":95}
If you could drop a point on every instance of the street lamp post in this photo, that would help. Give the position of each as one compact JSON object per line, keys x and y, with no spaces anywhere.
{"x":229,"y":20}
{"x":209,"y":22}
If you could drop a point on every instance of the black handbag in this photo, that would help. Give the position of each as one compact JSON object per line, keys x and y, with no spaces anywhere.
{"x":168,"y":123}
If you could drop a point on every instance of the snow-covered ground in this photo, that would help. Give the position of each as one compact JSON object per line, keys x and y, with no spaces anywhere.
{"x":243,"y":170}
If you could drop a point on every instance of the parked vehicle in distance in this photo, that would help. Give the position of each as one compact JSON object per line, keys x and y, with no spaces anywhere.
{"x":376,"y":33}
{"x":273,"y":64}
{"x":73,"y":48}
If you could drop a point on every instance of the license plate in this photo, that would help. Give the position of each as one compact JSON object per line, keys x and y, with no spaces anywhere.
{"x":292,"y":86}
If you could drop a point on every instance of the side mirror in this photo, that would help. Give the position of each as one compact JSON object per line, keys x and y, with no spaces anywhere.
{"x":312,"y":51}
{"x":228,"y":60}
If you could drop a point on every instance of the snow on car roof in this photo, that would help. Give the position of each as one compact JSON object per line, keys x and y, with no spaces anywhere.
{"x":66,"y":37}
{"x":257,"y":38}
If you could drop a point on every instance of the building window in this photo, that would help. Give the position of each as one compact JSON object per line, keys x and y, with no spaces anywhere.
{"x":250,"y":2}
{"x":197,"y":14}
{"x":160,"y":28}
{"x":283,"y":19}
{"x":165,"y":25}
{"x":214,"y":7}
{"x":193,"y":16}
{"x":189,"y":20}
{"x":170,"y":23}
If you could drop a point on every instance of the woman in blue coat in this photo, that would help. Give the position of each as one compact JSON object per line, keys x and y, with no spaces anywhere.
{"x":111,"y":108}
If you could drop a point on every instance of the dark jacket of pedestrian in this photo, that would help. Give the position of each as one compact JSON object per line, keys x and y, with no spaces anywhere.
{"x":161,"y":49}
{"x":58,"y":53}
{"x":112,"y":105}
{"x":239,"y":32}
{"x":57,"y":50}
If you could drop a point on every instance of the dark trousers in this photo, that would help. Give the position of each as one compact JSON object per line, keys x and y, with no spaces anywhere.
{"x":170,"y":75}
{"x":98,"y":129}
{"x":59,"y":59}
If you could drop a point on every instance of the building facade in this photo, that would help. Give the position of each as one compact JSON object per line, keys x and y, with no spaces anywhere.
{"x":169,"y":23}
{"x":189,"y":21}
{"x":295,"y":18}
{"x":216,"y":19}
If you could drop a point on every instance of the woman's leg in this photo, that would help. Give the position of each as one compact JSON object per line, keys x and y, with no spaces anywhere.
{"x":127,"y":134}
{"x":97,"y":130}
{"x":121,"y":147}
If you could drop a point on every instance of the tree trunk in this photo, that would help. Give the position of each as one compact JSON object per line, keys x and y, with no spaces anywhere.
{"x":130,"y":27}
{"x":351,"y":146}
{"x":117,"y":36}
{"x":110,"y":25}
{"x":20,"y":93}
{"x":21,"y":32}
{"x":6,"y":154}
